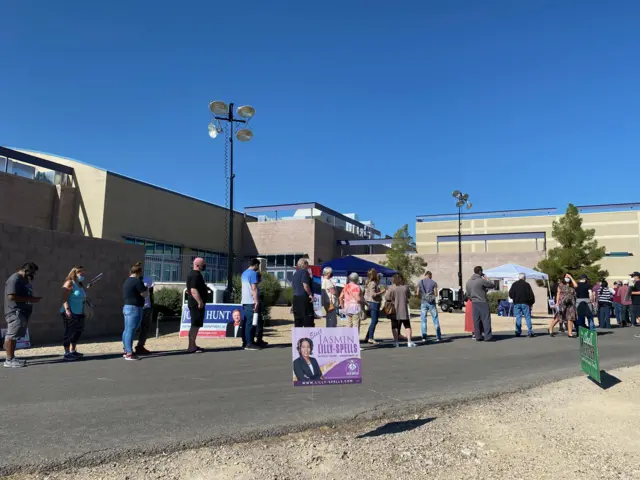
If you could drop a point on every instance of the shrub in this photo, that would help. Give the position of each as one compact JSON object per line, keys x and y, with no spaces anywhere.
{"x":414,"y":302}
{"x":494,"y":299}
{"x":287,"y":295}
{"x":168,"y":301}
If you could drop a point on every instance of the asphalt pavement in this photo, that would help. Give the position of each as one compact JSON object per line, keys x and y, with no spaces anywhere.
{"x":96,"y":409}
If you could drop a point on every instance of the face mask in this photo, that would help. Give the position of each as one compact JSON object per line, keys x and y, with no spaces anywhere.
{"x":567,"y":279}
{"x":81,"y":278}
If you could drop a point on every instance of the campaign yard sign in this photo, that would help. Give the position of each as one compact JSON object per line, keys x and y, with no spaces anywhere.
{"x":326,"y":356}
{"x":219,"y":321}
{"x":589,"y":353}
{"x":21,"y":342}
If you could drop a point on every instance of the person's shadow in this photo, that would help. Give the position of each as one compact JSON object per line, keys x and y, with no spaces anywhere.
{"x":397,"y":427}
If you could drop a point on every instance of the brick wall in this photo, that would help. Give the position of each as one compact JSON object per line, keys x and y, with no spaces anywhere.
{"x":444,"y":267}
{"x":56,"y":253}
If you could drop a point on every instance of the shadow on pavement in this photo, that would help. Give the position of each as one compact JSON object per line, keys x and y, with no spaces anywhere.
{"x":606,"y":380}
{"x":397,"y":427}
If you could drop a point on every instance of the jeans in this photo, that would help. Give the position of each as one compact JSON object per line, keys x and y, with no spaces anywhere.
{"x":617,"y":310}
{"x":626,"y":313}
{"x":520,"y":310}
{"x":332,"y":318}
{"x":604,"y":315}
{"x":132,"y":320}
{"x":374,"y":311}
{"x":426,"y":307}
{"x":247,"y":325}
{"x":584,"y":312}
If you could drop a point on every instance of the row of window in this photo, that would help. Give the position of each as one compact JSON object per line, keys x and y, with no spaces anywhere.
{"x":282,"y":260}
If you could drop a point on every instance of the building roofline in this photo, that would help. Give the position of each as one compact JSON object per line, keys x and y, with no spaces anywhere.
{"x":312,"y":205}
{"x":59,"y":167}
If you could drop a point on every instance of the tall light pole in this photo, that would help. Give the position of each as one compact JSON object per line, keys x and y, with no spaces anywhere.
{"x":462,"y":199}
{"x":223,"y":112}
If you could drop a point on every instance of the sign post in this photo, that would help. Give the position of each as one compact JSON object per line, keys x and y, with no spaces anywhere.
{"x":589,"y":353}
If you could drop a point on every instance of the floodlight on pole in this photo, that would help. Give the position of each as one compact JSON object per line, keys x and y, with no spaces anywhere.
{"x":462,"y":200}
{"x":223,"y":112}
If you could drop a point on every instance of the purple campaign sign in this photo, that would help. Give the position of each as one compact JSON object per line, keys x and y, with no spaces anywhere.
{"x":326,"y":356}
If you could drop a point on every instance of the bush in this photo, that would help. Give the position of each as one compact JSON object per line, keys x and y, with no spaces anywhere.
{"x":168,"y":301}
{"x":287,"y":295}
{"x":494,"y":299}
{"x":415,"y":302}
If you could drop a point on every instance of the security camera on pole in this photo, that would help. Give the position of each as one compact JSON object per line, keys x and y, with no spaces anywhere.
{"x":462,"y":199}
{"x":223,"y":112}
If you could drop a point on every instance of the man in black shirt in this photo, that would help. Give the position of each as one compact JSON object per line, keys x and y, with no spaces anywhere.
{"x":197,"y":296}
{"x":302,"y":296}
{"x":635,"y":299}
{"x":584,"y":303}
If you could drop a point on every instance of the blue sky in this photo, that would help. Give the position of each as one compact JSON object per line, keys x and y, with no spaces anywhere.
{"x":377,"y":107}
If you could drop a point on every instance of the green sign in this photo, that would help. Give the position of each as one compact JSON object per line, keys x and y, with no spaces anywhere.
{"x":589,"y":353}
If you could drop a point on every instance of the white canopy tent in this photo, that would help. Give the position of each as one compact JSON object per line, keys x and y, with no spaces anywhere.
{"x":511,"y":271}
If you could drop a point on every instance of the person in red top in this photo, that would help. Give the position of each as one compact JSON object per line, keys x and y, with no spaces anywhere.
{"x":617,"y":302}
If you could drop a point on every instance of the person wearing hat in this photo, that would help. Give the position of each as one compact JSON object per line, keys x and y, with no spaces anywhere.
{"x":584,"y":303}
{"x":635,"y":298}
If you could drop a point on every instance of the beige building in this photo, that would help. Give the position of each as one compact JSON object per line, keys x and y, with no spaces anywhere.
{"x":512,"y":233}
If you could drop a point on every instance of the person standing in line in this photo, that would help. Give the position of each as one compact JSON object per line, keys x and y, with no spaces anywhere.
{"x":329,"y":298}
{"x":625,"y":300}
{"x":566,"y":304}
{"x":134,"y":293}
{"x":18,"y":306}
{"x":477,"y":288}
{"x":303,"y":314}
{"x":147,"y":317}
{"x":398,"y":295}
{"x":585,"y":303}
{"x":523,"y":298}
{"x":259,"y":329}
{"x":635,"y":300}
{"x":617,"y":302}
{"x":428,"y":292}
{"x":250,"y":303}
{"x":74,"y":297}
{"x":605,"y":300}
{"x":352,"y":301}
{"x":372,"y":295}
{"x":197,"y":293}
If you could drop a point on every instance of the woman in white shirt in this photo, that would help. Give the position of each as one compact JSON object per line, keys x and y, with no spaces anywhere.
{"x":329,"y":297}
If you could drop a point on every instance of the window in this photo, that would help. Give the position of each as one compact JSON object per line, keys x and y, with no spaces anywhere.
{"x":162,"y":262}
{"x":3,"y":164}
{"x":216,"y":271}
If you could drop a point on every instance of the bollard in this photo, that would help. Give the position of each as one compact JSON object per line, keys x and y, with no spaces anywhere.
{"x":158,"y":324}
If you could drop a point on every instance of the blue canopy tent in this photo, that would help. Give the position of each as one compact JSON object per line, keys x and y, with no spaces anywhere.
{"x":350,"y":264}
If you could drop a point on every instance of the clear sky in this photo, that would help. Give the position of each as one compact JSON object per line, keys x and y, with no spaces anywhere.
{"x":376,"y":107}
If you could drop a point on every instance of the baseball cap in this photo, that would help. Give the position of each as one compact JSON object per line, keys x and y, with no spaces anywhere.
{"x":582,"y":276}
{"x":625,"y":282}
{"x":634,"y":274}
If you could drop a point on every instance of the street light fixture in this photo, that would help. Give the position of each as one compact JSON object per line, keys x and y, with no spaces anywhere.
{"x":462,"y":200}
{"x":223,"y":112}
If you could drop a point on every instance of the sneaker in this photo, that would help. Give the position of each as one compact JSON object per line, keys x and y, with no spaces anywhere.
{"x":518,"y":334}
{"x":411,"y":344}
{"x":69,"y":357}
{"x":262,"y":344}
{"x":424,"y":338}
{"x":77,"y":354}
{"x":131,"y":356}
{"x":637,"y":335}
{"x":438,"y":339}
{"x":140,"y":350}
{"x":15,"y":363}
{"x":531,"y":335}
{"x":396,"y":345}
{"x":252,"y":348}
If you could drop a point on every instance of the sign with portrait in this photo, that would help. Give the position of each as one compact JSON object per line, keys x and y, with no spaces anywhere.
{"x":326,"y":356}
{"x":21,"y":342}
{"x":221,"y":320}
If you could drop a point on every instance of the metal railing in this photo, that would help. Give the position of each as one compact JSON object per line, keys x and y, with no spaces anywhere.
{"x":175,"y":268}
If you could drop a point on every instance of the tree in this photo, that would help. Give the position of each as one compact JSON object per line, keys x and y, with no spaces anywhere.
{"x":577,"y":252}
{"x":398,"y":259}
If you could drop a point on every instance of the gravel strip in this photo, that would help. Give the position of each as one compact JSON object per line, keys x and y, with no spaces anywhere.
{"x":571,"y":429}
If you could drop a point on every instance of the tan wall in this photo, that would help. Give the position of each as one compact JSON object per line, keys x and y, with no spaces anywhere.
{"x":26,"y":202}
{"x":445,"y":268}
{"x":167,"y":217}
{"x":284,"y":236}
{"x":91,"y":184}
{"x":617,"y":231}
{"x":55,"y":253}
